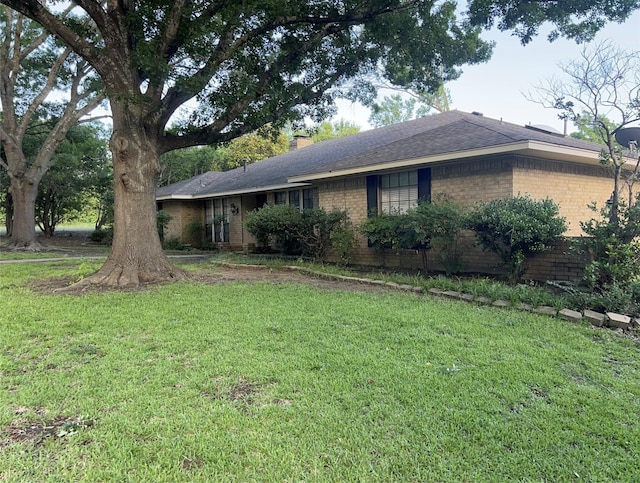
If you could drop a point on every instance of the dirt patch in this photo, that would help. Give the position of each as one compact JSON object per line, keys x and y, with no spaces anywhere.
{"x":222,"y":274}
{"x":26,"y":430}
{"x":72,"y":244}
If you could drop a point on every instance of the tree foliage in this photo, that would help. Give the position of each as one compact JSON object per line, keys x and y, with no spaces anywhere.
{"x":516,"y":228}
{"x":80,"y":176}
{"x":253,"y":147}
{"x":250,"y":148}
{"x":395,"y":109}
{"x":575,"y":19}
{"x":44,"y":90}
{"x":592,"y":130}
{"x":330,"y":130}
{"x":246,"y":65}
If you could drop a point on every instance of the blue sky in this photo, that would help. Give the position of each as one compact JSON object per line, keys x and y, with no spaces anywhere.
{"x":497,"y":88}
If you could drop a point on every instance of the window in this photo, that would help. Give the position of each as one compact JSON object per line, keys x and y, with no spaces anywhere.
{"x":398,"y":191}
{"x":310,"y":198}
{"x":281,"y":198}
{"x":301,"y":199}
{"x":220,"y":220}
{"x":294,"y":198}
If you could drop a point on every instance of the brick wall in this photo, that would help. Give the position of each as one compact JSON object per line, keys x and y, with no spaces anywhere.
{"x":572,"y":187}
{"x":472,"y":181}
{"x":183,"y":213}
{"x":483,"y":180}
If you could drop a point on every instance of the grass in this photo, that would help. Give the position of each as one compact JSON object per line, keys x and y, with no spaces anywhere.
{"x":262,"y":382}
{"x":534,"y":295}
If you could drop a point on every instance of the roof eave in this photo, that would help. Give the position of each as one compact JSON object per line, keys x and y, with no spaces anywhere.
{"x":244,"y":191}
{"x":536,"y":148}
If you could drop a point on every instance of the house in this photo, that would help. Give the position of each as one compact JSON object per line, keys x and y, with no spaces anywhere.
{"x":469,"y":157}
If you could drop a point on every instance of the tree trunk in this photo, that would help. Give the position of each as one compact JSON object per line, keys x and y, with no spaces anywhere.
{"x":8,"y":214}
{"x":23,"y":229}
{"x":136,"y":254}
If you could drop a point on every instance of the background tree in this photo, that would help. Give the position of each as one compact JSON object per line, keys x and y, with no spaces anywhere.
{"x":603,"y":84}
{"x":331,"y":130}
{"x":252,"y":147}
{"x":395,"y":109}
{"x":78,"y":173}
{"x":188,"y":162}
{"x":248,"y":65}
{"x":33,"y":73}
{"x":588,"y":130}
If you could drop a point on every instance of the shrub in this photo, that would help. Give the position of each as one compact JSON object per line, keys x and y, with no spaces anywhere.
{"x":293,"y":231}
{"x":197,"y":236}
{"x":386,"y":230}
{"x":343,"y":240}
{"x":172,"y":244}
{"x":162,"y":219}
{"x":428,"y":225}
{"x":515,"y":228}
{"x":437,"y":225}
{"x":613,"y":247}
{"x":271,"y":225}
{"x":101,"y":235}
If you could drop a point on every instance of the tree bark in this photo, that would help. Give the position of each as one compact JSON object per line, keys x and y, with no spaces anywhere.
{"x":23,"y":228}
{"x":136,"y":254}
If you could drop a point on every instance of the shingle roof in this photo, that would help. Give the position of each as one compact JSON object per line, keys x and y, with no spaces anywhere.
{"x":188,"y":186}
{"x":449,"y":132}
{"x":462,"y":132}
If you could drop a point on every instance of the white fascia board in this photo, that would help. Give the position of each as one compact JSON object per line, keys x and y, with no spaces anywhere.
{"x":244,"y":191}
{"x":522,"y":147}
{"x":174,"y":197}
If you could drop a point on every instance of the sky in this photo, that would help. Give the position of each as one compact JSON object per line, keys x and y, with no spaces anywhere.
{"x":497,"y":88}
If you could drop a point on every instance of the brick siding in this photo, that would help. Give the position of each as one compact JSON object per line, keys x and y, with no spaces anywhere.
{"x":183,"y":213}
{"x":572,"y":187}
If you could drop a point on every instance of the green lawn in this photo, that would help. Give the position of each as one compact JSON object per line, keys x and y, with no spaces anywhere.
{"x":262,"y":382}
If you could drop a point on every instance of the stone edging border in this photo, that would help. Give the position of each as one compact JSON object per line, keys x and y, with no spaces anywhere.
{"x":610,"y":319}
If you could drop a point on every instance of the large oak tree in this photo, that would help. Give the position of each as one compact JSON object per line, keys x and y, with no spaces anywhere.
{"x":246,"y":63}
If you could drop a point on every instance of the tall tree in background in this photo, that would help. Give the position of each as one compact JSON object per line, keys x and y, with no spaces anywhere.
{"x":188,"y":162}
{"x":79,"y":175}
{"x":331,"y":130}
{"x":602,"y":85}
{"x":253,"y":147}
{"x":588,"y":130}
{"x":247,"y":64}
{"x":394,"y":109}
{"x":33,"y":73}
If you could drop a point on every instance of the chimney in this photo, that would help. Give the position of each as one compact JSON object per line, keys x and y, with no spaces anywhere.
{"x":300,"y":141}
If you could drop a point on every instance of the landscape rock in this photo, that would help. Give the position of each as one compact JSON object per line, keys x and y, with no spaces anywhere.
{"x":570,"y":315}
{"x":595,"y":318}
{"x":482,"y":300}
{"x":501,"y":303}
{"x":545,"y":310}
{"x":619,"y":321}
